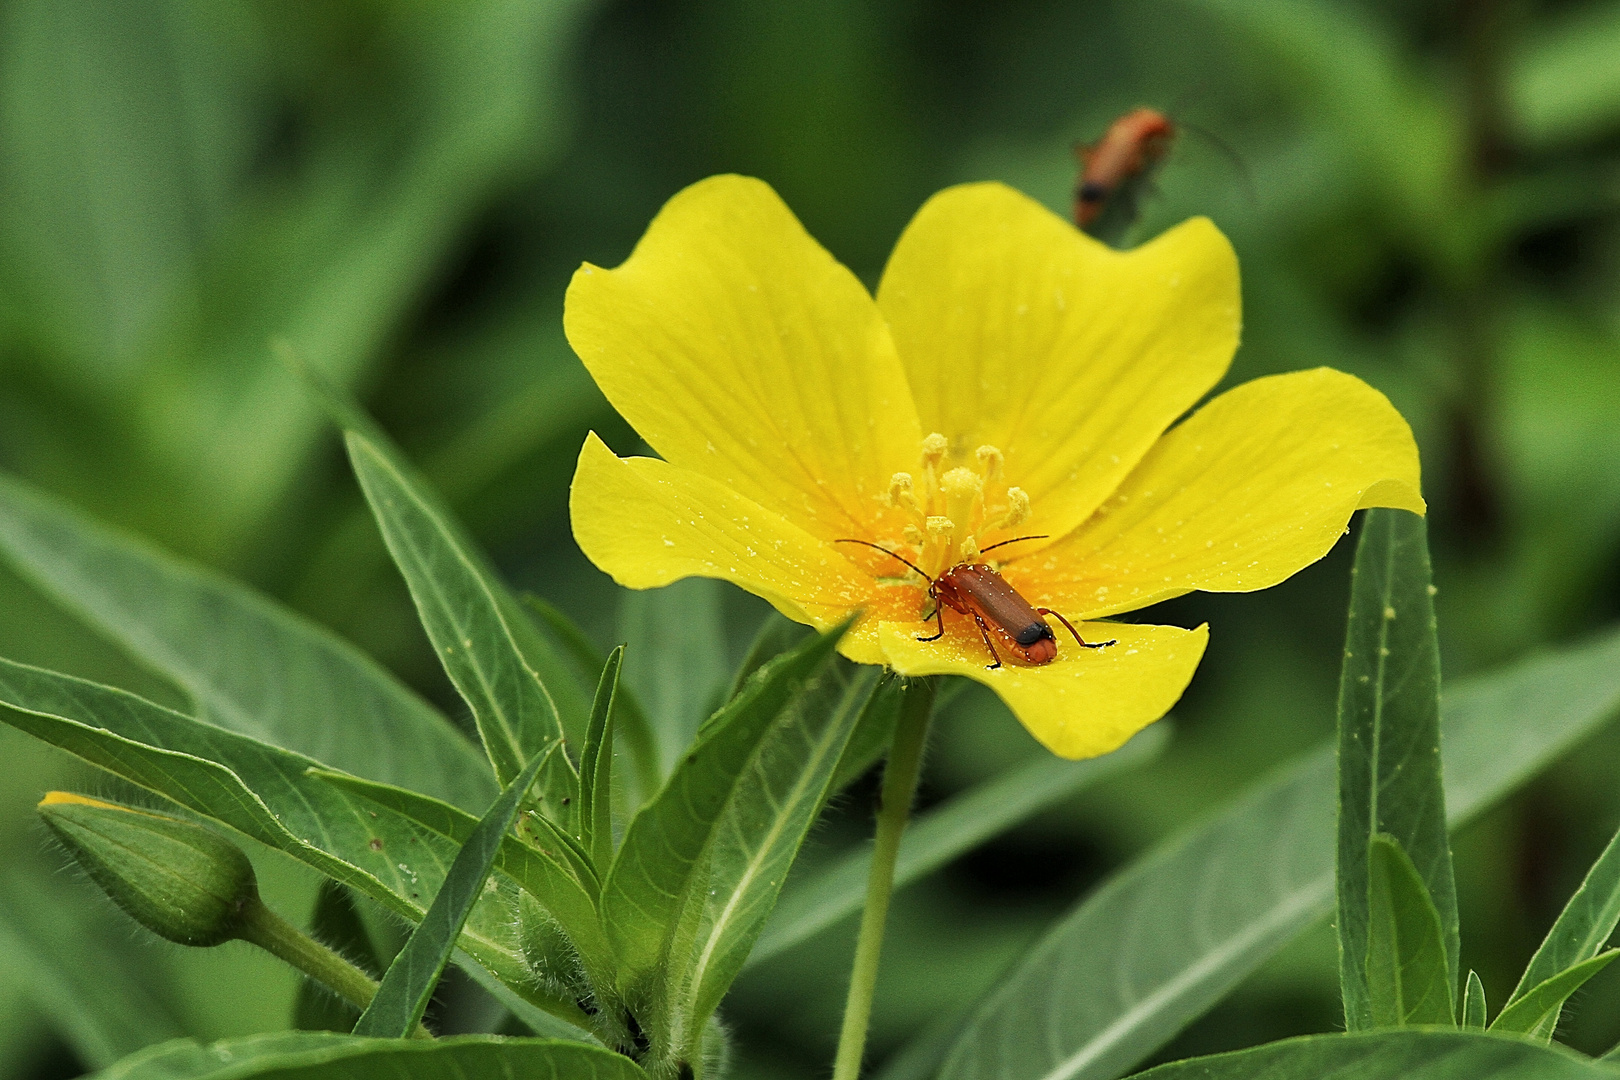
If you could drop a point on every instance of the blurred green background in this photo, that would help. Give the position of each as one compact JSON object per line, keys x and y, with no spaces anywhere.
{"x":1424,"y":194}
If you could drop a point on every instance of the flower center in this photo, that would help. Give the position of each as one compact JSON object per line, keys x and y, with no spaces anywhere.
{"x":950,"y":508}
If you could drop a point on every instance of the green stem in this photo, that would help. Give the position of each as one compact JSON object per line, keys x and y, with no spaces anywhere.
{"x":262,"y":927}
{"x":899,"y":788}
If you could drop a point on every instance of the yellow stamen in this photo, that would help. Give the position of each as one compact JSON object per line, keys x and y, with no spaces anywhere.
{"x":990,"y":462}
{"x":962,"y":488}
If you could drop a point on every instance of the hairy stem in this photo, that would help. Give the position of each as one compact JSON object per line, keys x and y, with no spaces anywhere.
{"x":280,"y":938}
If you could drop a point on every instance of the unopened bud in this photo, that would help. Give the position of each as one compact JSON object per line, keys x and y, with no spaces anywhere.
{"x":179,"y":880}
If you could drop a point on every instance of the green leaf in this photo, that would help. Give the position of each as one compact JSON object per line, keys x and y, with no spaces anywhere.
{"x":1389,"y":748}
{"x":596,"y":769}
{"x":1405,"y":965}
{"x":677,"y":663}
{"x":247,"y":663}
{"x":264,"y":792}
{"x":336,"y":923}
{"x":567,"y":694}
{"x":1582,"y":928}
{"x":1170,"y":934}
{"x":76,"y":969}
{"x":754,"y":841}
{"x":953,"y":828}
{"x":776,"y":635}
{"x":1473,"y":1011}
{"x":329,"y":1056}
{"x":546,"y":873}
{"x":633,"y":731}
{"x":463,"y":615}
{"x":402,"y":997}
{"x":729,"y":819}
{"x":1535,"y":1012}
{"x":1381,"y":1055}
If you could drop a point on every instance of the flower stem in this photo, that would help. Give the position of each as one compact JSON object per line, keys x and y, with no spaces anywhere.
{"x":262,"y":927}
{"x":899,"y":788}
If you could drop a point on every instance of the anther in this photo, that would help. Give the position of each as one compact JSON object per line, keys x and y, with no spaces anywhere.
{"x":933,"y":448}
{"x":900,"y":493}
{"x":913,"y":535}
{"x":1017,"y":507}
{"x":990,"y":460}
{"x":940,"y":527}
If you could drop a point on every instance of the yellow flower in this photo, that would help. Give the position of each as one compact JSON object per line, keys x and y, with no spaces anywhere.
{"x":1012,"y":377}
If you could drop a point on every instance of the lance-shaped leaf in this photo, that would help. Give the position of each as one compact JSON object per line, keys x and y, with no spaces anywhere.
{"x":567,"y":694}
{"x":309,"y":1055}
{"x":754,"y":843}
{"x":1473,"y":1010}
{"x":1582,"y":929}
{"x":247,"y":663}
{"x":715,"y":820}
{"x":1380,"y":1055}
{"x":1389,"y":744}
{"x":402,"y":997}
{"x":943,"y":833}
{"x":1407,"y":980}
{"x":463,"y":616}
{"x":596,"y":768}
{"x":1169,"y":935}
{"x":544,"y":873}
{"x":1536,"y":1010}
{"x":264,"y":792}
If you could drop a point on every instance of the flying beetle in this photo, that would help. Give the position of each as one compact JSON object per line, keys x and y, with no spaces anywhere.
{"x":978,"y":590}
{"x":1117,"y":168}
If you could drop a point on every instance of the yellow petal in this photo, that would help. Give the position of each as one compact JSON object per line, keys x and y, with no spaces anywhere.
{"x":742,"y":351}
{"x":1255,"y":486}
{"x":1020,"y":332}
{"x":1087,"y":701}
{"x":647,"y":523}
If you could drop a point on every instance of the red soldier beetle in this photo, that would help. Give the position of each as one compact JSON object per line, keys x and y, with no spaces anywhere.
{"x":1132,"y":146}
{"x":978,"y":590}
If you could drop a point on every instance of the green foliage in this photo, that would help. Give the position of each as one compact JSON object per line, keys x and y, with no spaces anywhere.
{"x":327,"y":1056}
{"x":463,"y":616}
{"x":1407,"y":980}
{"x":701,"y":865}
{"x":1536,"y":1010}
{"x":1473,"y":1007}
{"x":1390,"y":794}
{"x":1582,"y":929}
{"x":246,"y":663}
{"x":403,"y":996}
{"x":1376,"y":1055}
{"x":1089,"y":1001}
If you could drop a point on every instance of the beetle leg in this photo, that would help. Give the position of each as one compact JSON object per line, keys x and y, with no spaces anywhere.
{"x":939,"y":618}
{"x":1083,"y":643}
{"x":985,"y":630}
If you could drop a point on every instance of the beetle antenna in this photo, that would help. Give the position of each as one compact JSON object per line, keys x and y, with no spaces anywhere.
{"x":1014,"y":540}
{"x":891,"y":555}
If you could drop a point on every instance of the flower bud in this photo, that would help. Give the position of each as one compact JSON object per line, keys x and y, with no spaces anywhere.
{"x":179,"y":880}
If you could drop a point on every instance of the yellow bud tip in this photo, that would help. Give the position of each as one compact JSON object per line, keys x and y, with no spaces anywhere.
{"x":59,"y":798}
